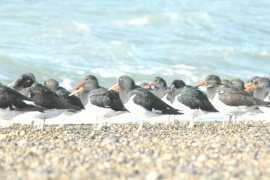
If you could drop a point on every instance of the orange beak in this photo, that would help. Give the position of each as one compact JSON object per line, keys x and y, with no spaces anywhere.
{"x":11,"y":84}
{"x":250,"y":88}
{"x":248,"y":85}
{"x":115,"y":87}
{"x":201,"y":84}
{"x":76,"y":92}
{"x":149,"y":85}
{"x":78,"y":86}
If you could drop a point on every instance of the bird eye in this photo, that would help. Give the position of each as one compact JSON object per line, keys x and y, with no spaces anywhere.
{"x":232,"y":82}
{"x":28,"y":80}
{"x":46,"y":82}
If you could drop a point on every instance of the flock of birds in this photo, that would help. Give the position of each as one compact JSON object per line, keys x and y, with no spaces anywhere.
{"x":43,"y":101}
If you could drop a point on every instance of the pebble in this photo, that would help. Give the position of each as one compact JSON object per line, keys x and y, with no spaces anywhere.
{"x":160,"y":151}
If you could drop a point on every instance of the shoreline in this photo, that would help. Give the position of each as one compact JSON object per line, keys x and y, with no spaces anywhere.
{"x":160,"y":151}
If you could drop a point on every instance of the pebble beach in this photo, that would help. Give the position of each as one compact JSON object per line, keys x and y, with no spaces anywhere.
{"x":159,"y":151}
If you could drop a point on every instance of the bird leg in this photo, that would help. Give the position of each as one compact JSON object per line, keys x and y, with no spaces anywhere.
{"x":229,"y":121}
{"x":140,"y":127}
{"x":96,"y":121}
{"x":168,"y":120}
{"x":224,"y":119}
{"x":100,"y":124}
{"x":31,"y":125}
{"x":234,"y":121}
{"x":110,"y":122}
{"x":191,"y":122}
{"x":42,"y":126}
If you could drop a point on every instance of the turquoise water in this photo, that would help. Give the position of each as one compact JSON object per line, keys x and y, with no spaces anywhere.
{"x":174,"y":39}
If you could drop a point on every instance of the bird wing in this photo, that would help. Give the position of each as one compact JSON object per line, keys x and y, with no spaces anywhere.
{"x":195,"y":99}
{"x":145,"y":98}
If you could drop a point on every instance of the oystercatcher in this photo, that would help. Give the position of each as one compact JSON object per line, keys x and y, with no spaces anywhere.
{"x":98,"y":100}
{"x":229,"y":100}
{"x":189,"y":100}
{"x":53,"y":85}
{"x":140,"y":101}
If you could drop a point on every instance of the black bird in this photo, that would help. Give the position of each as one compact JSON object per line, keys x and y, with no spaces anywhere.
{"x":189,"y":100}
{"x":99,"y":101}
{"x":145,"y":85}
{"x":250,"y":83}
{"x":261,"y":87}
{"x":225,"y":81}
{"x":88,"y":77}
{"x":237,"y":83}
{"x":229,"y":100}
{"x":12,"y":103}
{"x":141,"y":101}
{"x":44,"y":97}
{"x":53,"y":85}
{"x":160,"y":89}
{"x":23,"y":84}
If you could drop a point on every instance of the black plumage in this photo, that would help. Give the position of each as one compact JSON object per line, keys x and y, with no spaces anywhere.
{"x":92,"y":93}
{"x":13,"y":100}
{"x":189,"y":96}
{"x":142,"y":97}
{"x":53,"y":85}
{"x":44,"y":97}
{"x":160,"y":87}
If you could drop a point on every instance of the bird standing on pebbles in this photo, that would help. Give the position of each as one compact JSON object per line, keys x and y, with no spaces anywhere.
{"x":140,"y":101}
{"x":189,"y":100}
{"x":229,"y":100}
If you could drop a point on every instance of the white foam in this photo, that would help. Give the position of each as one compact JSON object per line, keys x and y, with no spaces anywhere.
{"x":140,"y":21}
{"x":117,"y":43}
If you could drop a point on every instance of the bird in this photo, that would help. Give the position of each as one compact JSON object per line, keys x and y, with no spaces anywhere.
{"x":189,"y":100}
{"x":250,"y":83}
{"x":225,"y":81}
{"x":88,"y":77}
{"x":99,"y":101}
{"x":261,"y":87}
{"x":229,"y":100}
{"x":53,"y":85}
{"x":23,"y":83}
{"x":145,"y":85}
{"x":12,"y":103}
{"x":44,"y":97}
{"x":140,"y":101}
{"x":237,"y":83}
{"x":160,"y":89}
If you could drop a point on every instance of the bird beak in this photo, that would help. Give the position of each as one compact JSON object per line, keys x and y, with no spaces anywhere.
{"x":78,"y":86}
{"x":76,"y":92}
{"x":201,"y":84}
{"x":12,"y":84}
{"x":115,"y":87}
{"x":250,"y":88}
{"x":248,"y":85}
{"x":149,"y":85}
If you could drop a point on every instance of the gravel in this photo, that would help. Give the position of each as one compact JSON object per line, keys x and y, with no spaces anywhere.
{"x":160,"y":151}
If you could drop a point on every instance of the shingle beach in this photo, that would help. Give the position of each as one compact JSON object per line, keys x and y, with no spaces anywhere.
{"x":160,"y":151}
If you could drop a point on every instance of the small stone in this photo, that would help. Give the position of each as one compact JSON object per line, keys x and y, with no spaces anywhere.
{"x":201,"y":158}
{"x":113,"y":139}
{"x":153,"y":176}
{"x":167,"y":156}
{"x":22,"y":142}
{"x":3,"y":136}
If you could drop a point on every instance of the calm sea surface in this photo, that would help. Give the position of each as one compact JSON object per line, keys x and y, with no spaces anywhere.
{"x":67,"y":40}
